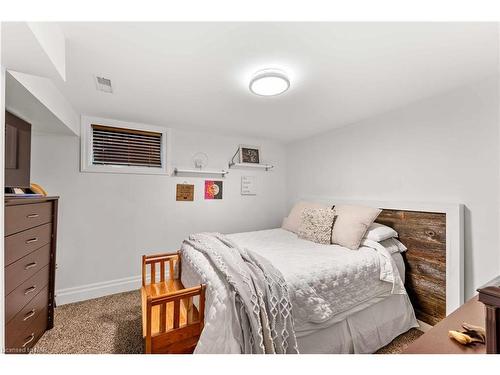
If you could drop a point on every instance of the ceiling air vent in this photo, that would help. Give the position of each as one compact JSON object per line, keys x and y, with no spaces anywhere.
{"x":103,"y":84}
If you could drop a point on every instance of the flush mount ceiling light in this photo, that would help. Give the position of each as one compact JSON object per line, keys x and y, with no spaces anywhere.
{"x":269,"y":82}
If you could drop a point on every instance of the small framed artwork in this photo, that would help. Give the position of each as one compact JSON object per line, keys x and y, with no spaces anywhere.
{"x":248,"y":185}
{"x":249,"y":154}
{"x":213,"y":189}
{"x":185,"y":192}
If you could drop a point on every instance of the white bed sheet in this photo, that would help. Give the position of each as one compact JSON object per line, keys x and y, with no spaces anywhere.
{"x":326,"y":282}
{"x":364,"y":331}
{"x":311,"y":270}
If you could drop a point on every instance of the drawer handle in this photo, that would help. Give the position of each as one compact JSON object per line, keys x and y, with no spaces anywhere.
{"x":31,"y":240}
{"x":30,"y":265}
{"x":29,"y":290}
{"x":30,"y":339}
{"x":32,"y":216}
{"x":29,"y":315}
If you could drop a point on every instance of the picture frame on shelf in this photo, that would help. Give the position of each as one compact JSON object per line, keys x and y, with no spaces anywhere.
{"x":249,"y":154}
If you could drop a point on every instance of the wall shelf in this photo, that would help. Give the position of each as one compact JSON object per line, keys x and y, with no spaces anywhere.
{"x":266,"y":167}
{"x":200,"y":172}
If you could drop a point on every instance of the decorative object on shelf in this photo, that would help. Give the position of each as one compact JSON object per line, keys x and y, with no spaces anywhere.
{"x":200,"y":160}
{"x":249,"y":157}
{"x":470,"y":335}
{"x":213,"y":189}
{"x":248,"y":185}
{"x":249,"y":154}
{"x":185,"y":192}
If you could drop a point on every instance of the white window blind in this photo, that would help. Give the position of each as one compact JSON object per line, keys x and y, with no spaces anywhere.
{"x":126,"y":147}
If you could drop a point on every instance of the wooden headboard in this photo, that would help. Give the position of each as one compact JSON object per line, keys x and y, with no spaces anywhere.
{"x":424,"y":234}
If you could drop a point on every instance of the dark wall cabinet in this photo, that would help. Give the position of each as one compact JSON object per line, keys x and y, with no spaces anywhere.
{"x":17,"y":151}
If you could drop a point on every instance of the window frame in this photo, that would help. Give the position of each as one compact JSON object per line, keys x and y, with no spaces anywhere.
{"x":86,"y":156}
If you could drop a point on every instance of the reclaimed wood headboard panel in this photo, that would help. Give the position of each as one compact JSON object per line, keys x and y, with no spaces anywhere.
{"x":424,"y":234}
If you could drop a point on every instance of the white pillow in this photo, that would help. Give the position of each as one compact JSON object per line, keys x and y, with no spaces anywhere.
{"x":402,"y":248}
{"x":392,"y":245}
{"x":293,"y":220}
{"x":379,"y":232}
{"x":351,"y":224}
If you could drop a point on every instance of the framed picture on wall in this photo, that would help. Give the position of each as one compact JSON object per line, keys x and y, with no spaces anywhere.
{"x":213,"y":189}
{"x":249,"y":154}
{"x":184,"y":192}
{"x":248,"y":185}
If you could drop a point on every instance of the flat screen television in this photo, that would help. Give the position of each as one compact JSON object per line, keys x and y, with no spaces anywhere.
{"x":17,"y":152}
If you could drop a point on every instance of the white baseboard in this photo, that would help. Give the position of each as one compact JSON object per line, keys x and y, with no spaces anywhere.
{"x":95,"y":290}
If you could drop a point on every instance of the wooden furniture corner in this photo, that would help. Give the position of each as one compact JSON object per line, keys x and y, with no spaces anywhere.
{"x":172,"y":316}
{"x":489,"y":295}
{"x":436,"y":340}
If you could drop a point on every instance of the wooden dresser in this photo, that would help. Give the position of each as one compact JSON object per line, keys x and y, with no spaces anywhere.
{"x":30,"y":259}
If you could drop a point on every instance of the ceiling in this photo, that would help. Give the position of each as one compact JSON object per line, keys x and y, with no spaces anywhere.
{"x":196,"y":75}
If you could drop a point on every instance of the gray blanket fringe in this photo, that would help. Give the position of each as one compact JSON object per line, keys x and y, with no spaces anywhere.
{"x":259,"y":294}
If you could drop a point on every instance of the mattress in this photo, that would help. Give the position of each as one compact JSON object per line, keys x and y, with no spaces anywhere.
{"x":327,"y":283}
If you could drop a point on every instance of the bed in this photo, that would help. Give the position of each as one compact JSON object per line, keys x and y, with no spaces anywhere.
{"x":342,"y":301}
{"x":339,"y":302}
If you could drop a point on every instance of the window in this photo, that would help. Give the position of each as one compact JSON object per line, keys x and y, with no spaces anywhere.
{"x":118,"y":147}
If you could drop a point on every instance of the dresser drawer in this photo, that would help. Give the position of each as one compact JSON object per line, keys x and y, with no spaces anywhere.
{"x":24,"y":268}
{"x":25,"y":216}
{"x":28,"y":314}
{"x":21,"y":244}
{"x":22,"y":340}
{"x":25,"y":292}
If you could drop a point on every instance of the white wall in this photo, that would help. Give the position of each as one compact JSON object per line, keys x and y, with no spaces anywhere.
{"x":107,"y":221}
{"x":52,"y":40}
{"x":442,"y":149}
{"x":45,"y":94}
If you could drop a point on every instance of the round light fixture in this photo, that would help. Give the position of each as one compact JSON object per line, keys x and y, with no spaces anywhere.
{"x":269,"y":82}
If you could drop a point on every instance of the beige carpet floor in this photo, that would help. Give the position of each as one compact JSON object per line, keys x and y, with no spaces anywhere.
{"x":112,"y":324}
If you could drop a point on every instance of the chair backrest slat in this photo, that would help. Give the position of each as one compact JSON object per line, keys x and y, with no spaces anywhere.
{"x":162,"y":270}
{"x":153,"y":273}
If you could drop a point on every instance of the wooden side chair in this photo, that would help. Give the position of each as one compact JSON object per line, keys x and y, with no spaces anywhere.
{"x":172,"y":316}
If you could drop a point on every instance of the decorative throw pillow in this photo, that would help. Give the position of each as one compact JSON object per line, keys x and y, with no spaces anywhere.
{"x":351,"y":224}
{"x":293,"y":220}
{"x":316,"y":225}
{"x":380,"y":232}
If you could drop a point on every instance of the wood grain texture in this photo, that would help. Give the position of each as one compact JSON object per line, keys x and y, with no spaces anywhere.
{"x":424,"y":234}
{"x":436,"y":340}
{"x":171,"y":321}
{"x":30,"y":262}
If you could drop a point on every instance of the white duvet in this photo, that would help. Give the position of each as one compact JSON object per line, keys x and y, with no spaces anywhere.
{"x":325,"y":281}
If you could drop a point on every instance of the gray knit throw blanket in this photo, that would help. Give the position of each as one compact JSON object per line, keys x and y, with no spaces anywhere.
{"x":259,"y":294}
